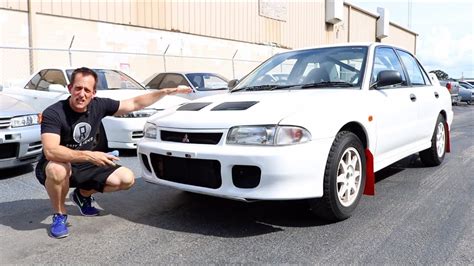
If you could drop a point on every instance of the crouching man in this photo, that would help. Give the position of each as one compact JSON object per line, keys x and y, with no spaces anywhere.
{"x":68,"y":132}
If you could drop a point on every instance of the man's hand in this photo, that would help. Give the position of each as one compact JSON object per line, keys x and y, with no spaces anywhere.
{"x":182,"y":89}
{"x":101,"y":159}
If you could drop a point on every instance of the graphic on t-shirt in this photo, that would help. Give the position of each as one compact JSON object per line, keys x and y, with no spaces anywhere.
{"x":81,"y":132}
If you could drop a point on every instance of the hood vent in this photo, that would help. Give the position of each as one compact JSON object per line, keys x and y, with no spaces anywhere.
{"x":233,"y":106}
{"x":193,"y":106}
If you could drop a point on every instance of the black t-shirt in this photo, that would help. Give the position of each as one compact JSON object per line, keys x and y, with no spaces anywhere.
{"x":77,"y":130}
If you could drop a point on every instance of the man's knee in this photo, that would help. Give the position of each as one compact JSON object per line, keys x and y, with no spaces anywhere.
{"x":58,"y":172}
{"x":127,"y":180}
{"x":122,"y":179}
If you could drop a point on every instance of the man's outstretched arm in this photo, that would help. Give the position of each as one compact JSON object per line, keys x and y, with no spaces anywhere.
{"x":142,"y":101}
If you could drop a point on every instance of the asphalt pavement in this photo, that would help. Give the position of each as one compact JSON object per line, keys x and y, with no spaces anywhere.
{"x":419,"y":215}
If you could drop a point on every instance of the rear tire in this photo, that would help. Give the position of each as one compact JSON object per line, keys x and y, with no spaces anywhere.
{"x":434,"y":155}
{"x":344,"y":179}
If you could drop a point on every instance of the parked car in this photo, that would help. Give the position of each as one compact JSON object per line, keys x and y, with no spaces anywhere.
{"x":466,"y":92}
{"x":343,"y":113}
{"x":48,"y":86}
{"x":470,"y":81}
{"x":453,"y":88}
{"x":203,"y":84}
{"x":20,"y":141}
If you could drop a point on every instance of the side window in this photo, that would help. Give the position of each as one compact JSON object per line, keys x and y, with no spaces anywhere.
{"x":153,"y":84}
{"x":34,"y":81}
{"x":51,"y":76}
{"x":172,"y":80}
{"x":386,"y":59}
{"x":416,"y":75}
{"x":213,"y":82}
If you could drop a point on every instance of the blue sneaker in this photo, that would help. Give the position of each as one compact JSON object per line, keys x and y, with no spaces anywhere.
{"x":58,"y":228}
{"x":84,"y":203}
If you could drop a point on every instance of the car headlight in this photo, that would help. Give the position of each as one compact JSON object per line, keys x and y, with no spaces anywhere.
{"x":24,"y":121}
{"x":139,"y":113}
{"x":270,"y":135}
{"x":150,"y":131}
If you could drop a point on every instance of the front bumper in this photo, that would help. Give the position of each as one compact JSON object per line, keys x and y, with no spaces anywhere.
{"x":287,"y":172}
{"x":19,"y":146}
{"x":123,"y":133}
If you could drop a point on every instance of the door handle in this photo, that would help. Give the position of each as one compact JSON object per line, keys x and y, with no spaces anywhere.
{"x":413,"y":97}
{"x":436,"y":94}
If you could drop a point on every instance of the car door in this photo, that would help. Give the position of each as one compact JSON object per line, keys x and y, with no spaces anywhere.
{"x":395,"y":108}
{"x":40,"y":92}
{"x":427,"y":95}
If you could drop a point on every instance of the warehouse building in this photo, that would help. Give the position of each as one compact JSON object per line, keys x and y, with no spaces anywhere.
{"x":142,"y":37}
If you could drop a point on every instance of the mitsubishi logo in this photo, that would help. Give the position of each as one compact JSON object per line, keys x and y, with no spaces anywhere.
{"x":185,"y":139}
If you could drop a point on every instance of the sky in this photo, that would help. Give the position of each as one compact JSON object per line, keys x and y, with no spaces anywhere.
{"x":445,"y":28}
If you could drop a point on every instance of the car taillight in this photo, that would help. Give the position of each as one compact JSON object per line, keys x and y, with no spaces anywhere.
{"x":448,"y":85}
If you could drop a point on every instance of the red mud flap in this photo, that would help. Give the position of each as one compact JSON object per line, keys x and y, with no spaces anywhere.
{"x":448,"y":138}
{"x":370,"y":176}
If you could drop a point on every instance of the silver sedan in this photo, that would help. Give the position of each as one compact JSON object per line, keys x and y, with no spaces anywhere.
{"x":20,"y":138}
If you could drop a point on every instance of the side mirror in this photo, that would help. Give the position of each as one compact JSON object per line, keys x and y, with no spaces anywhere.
{"x":57,"y":88}
{"x":232,"y":83}
{"x":387,"y":78}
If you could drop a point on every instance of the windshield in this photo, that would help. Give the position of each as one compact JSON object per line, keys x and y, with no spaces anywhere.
{"x":335,"y":67}
{"x":207,"y":81}
{"x":112,"y":80}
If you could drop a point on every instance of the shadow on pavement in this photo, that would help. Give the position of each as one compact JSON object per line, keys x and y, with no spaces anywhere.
{"x":174,"y":210}
{"x":16,"y":171}
{"x":412,"y":161}
{"x":25,"y":214}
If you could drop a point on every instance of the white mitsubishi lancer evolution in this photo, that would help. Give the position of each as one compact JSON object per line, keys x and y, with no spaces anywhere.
{"x":306,"y":124}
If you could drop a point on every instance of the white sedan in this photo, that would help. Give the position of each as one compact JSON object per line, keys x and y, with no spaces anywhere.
{"x":48,"y":86}
{"x":340,"y":114}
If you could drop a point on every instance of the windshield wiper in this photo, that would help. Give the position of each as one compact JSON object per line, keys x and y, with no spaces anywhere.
{"x":266,"y":87}
{"x":327,"y":84}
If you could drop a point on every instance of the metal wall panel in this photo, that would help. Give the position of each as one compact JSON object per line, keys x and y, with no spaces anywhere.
{"x":399,"y":37}
{"x":362,"y":27}
{"x":228,"y":19}
{"x":14,"y":4}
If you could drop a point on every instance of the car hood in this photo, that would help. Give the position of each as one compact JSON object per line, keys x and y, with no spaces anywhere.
{"x":164,"y":103}
{"x":250,"y":108}
{"x":10,"y":107}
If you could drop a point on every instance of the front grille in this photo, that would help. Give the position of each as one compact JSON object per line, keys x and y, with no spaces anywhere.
{"x":4,"y":122}
{"x":196,"y":172}
{"x":137,"y":134}
{"x":35,"y":146}
{"x":8,"y":150}
{"x":198,"y":138}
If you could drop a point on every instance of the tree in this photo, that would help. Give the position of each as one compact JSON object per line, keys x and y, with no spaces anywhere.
{"x":440,"y":74}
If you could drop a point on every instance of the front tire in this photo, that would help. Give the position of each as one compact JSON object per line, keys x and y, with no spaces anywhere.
{"x":344,"y":178}
{"x":434,"y":155}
